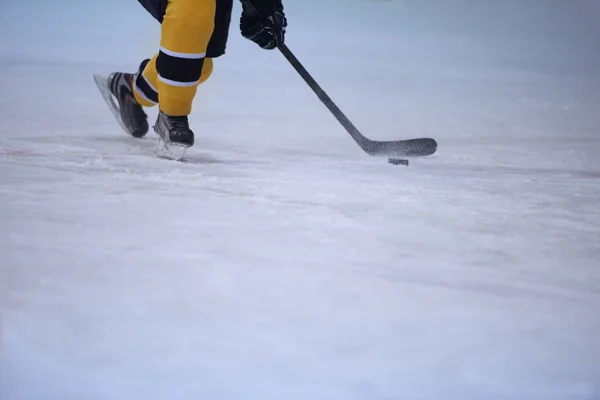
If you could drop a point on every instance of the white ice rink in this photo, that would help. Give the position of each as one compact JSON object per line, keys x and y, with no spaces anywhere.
{"x":281,"y":262}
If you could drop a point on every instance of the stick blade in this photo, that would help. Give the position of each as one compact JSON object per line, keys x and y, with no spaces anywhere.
{"x":420,"y":147}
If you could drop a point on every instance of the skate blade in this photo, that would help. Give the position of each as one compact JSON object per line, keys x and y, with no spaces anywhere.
{"x":102,"y":83}
{"x":171,"y":151}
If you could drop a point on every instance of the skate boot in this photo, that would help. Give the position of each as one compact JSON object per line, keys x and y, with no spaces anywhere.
{"x":174,"y":136}
{"x":128,"y":112}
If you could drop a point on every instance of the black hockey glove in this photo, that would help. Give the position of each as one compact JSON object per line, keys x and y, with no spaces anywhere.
{"x":263,"y":22}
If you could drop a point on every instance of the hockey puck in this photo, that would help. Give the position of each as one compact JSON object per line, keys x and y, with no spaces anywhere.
{"x":396,"y":161}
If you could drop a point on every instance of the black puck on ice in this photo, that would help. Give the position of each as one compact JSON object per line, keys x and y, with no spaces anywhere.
{"x":396,"y":161}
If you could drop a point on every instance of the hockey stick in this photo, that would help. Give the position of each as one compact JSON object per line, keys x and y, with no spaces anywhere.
{"x":394,"y":148}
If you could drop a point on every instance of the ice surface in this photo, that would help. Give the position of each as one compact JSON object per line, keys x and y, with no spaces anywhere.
{"x":280,"y":262}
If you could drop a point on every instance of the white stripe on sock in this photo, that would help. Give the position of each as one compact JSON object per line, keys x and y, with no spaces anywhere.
{"x":182,"y":55}
{"x":139,"y":91}
{"x":176,"y":83}
{"x":149,"y":84}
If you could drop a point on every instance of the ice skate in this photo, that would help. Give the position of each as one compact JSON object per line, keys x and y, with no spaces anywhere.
{"x":174,"y":136}
{"x":117,"y":90}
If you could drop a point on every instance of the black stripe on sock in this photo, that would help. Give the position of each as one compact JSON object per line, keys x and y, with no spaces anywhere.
{"x":179,"y":69}
{"x":146,"y":89}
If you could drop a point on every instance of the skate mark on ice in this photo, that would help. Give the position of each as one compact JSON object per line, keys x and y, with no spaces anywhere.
{"x":70,"y":154}
{"x":206,"y":159}
{"x":504,"y":284}
{"x":12,"y":153}
{"x":518,"y":171}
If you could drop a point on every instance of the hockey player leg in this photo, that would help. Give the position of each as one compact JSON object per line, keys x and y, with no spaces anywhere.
{"x":186,"y":31}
